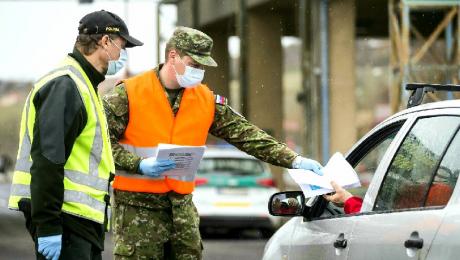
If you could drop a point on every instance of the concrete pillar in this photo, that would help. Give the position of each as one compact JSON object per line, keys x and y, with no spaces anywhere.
{"x":342,"y":77}
{"x":218,"y":78}
{"x":265,"y":106}
{"x":265,"y":72}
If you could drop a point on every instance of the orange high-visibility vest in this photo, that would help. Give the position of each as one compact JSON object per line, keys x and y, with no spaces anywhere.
{"x":152,"y":121}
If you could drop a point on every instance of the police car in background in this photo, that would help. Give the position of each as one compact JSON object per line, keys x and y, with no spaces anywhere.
{"x":232,"y":192}
{"x":411,"y":207}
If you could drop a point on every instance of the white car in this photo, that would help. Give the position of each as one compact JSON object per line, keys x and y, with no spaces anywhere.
{"x":232,"y":191}
{"x":411,"y":207}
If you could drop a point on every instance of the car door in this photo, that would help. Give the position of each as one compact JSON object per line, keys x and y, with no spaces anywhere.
{"x":402,"y":213}
{"x":447,"y":240}
{"x":319,"y":238}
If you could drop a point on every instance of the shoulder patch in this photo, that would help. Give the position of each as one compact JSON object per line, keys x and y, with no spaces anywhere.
{"x":221,"y":100}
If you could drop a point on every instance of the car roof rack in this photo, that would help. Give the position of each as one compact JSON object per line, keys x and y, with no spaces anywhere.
{"x":420,"y":89}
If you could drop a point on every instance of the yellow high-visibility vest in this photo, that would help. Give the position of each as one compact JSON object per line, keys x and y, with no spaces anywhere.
{"x":88,"y":168}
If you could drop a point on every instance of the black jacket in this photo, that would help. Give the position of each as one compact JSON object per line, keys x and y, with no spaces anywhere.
{"x":60,"y":118}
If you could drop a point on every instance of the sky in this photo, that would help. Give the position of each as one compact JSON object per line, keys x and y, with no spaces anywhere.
{"x":36,"y":35}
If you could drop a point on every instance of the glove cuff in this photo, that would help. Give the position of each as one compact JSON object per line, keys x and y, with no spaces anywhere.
{"x":296,"y":162}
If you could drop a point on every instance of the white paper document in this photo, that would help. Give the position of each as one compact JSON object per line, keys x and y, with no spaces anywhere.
{"x":187,"y":158}
{"x":337,"y":169}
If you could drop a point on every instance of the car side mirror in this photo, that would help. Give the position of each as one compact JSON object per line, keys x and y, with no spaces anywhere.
{"x":288,"y":203}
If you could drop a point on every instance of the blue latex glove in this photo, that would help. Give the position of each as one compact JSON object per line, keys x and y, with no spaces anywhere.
{"x":151,"y":167}
{"x":307,"y":164}
{"x":50,"y":246}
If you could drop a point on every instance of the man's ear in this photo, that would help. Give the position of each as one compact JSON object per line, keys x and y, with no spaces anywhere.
{"x":104,"y":41}
{"x":171,"y":55}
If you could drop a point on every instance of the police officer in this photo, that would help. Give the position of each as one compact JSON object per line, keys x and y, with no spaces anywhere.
{"x":154,"y":216}
{"x":65,"y":161}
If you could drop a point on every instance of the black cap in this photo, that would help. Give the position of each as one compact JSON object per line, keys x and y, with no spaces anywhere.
{"x":101,"y":22}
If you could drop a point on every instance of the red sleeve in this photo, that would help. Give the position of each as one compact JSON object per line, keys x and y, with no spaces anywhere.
{"x":353,"y":205}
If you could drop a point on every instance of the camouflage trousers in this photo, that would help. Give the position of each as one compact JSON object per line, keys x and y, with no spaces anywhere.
{"x":155,"y":226}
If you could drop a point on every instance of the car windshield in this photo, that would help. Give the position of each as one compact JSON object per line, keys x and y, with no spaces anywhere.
{"x":233,"y":166}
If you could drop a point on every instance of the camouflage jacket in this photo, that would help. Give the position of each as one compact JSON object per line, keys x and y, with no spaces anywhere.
{"x":227,"y":124}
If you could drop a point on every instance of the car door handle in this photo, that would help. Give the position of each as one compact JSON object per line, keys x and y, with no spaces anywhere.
{"x":340,"y":242}
{"x":414,"y":241}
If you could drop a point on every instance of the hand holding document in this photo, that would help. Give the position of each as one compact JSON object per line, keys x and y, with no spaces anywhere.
{"x":337,"y":169}
{"x":187,"y":158}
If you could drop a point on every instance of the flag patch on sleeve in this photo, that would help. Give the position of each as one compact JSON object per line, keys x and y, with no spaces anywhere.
{"x":221,"y":100}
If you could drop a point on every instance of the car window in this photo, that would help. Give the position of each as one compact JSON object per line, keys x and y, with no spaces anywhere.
{"x":446,"y":176}
{"x":367,"y":166}
{"x":413,"y":168}
{"x":370,"y":154}
{"x":365,"y":160}
{"x":231,"y":166}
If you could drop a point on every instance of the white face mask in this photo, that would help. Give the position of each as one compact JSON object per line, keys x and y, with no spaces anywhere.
{"x":191,"y":77}
{"x":116,"y":65}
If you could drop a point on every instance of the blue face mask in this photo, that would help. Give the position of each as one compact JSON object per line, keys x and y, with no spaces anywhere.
{"x":116,"y":65}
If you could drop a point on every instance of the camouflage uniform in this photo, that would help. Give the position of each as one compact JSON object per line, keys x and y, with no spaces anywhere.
{"x":145,"y":222}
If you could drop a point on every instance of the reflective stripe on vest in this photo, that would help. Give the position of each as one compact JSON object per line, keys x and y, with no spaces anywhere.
{"x":145,"y":131}
{"x":23,"y":190}
{"x":87,"y":171}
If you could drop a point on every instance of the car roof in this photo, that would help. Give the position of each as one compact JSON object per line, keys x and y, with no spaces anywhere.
{"x":427,"y":106}
{"x":230,"y":152}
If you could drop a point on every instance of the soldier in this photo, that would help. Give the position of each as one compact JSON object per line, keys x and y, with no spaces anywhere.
{"x":64,"y":164}
{"x":154,"y":216}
